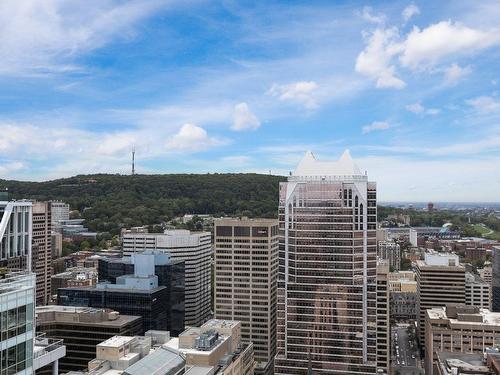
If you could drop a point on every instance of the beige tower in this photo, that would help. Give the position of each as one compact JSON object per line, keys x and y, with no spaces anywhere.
{"x":42,"y":224}
{"x":246,"y":271}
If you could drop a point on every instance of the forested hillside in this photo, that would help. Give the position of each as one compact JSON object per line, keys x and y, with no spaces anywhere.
{"x":108,"y":202}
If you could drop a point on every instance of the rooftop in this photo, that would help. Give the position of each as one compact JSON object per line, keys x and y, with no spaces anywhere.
{"x":461,"y":314}
{"x":462,"y":363}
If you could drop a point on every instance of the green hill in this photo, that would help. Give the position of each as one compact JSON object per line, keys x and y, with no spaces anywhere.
{"x":108,"y":202}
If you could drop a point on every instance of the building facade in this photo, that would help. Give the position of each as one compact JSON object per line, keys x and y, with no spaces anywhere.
{"x":440,"y":281}
{"x":246,"y":273}
{"x":391,"y":252}
{"x":495,"y":279}
{"x":477,"y":291}
{"x":15,"y":235}
{"x":42,"y":228}
{"x":327,"y":289}
{"x":195,"y":248}
{"x":60,"y":212}
{"x":383,"y":319}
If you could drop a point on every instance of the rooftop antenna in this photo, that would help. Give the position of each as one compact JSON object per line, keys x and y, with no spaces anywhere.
{"x":133,"y":160}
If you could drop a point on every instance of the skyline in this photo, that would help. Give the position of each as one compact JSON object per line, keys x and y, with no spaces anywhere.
{"x":411,"y":88}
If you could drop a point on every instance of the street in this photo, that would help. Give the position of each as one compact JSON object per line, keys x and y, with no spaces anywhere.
{"x":405,"y":355}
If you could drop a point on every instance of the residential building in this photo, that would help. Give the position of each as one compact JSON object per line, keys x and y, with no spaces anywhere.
{"x":139,"y":294}
{"x":215,"y":348}
{"x":73,"y":277}
{"x":42,"y":228}
{"x":403,"y":306}
{"x":495,"y":279}
{"x":440,"y":281}
{"x":459,"y":329}
{"x":60,"y":212}
{"x":81,"y":329}
{"x":486,"y":273}
{"x":477,"y":291}
{"x":390,"y":251}
{"x":195,"y":248}
{"x":246,"y":272}
{"x":383,"y":319}
{"x":327,"y":281}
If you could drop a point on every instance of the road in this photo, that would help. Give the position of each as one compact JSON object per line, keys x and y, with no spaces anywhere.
{"x":405,"y":353}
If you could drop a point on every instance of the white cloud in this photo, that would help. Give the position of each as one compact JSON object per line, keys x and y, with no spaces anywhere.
{"x":46,"y":36}
{"x":10,"y":166}
{"x":375,"y":60}
{"x":484,"y":104}
{"x":302,"y":92}
{"x":368,"y":15}
{"x":191,"y":138}
{"x":419,"y":109}
{"x":244,"y":118}
{"x":428,"y":46}
{"x":375,"y":126}
{"x":454,"y":73}
{"x":410,"y":11}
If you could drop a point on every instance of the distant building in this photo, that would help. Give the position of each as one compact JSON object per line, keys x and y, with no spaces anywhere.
{"x":430,"y":206}
{"x":477,"y":291}
{"x":42,"y":231}
{"x":495,"y":279}
{"x":60,"y":212}
{"x":56,"y":244}
{"x":73,"y":277}
{"x":138,"y":294}
{"x":458,"y":329}
{"x":440,"y":281}
{"x":195,"y":248}
{"x":383,"y":319}
{"x":390,"y":251}
{"x":453,"y":363}
{"x":403,"y":305}
{"x":75,"y":229}
{"x":81,"y":329}
{"x":486,"y":274}
{"x":246,"y":272}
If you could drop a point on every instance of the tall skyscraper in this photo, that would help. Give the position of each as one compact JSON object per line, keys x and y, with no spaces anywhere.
{"x":495,"y":279}
{"x":327,"y":287}
{"x":246,"y":274}
{"x":195,"y":248}
{"x":42,"y":227}
{"x":440,"y":281}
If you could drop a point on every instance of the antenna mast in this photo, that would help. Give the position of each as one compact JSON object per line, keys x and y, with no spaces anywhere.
{"x":133,"y":161}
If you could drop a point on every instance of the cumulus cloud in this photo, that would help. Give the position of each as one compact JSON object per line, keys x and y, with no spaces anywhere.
{"x":191,"y":138}
{"x":368,"y":15}
{"x":455,"y":73}
{"x":376,"y":126}
{"x":7,"y":167}
{"x":484,"y":104}
{"x":47,"y":36}
{"x":410,"y":11}
{"x":244,"y":118}
{"x":302,"y":92}
{"x":421,"y":49}
{"x":419,"y":109}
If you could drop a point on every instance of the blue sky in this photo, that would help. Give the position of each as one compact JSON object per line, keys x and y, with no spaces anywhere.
{"x":411,"y":88}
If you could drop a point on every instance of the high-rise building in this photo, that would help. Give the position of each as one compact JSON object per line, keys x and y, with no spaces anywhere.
{"x":59,"y":211}
{"x":477,"y":291}
{"x":246,"y":273}
{"x":383,"y":319}
{"x":138,"y":294}
{"x":459,"y":329}
{"x":495,"y":279}
{"x":15,"y":235}
{"x":391,"y":252}
{"x":440,"y":281}
{"x":81,"y":329}
{"x":195,"y":248}
{"x":42,"y":225}
{"x":327,"y":287}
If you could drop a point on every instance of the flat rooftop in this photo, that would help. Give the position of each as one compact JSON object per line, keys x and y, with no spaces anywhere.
{"x":117,"y":341}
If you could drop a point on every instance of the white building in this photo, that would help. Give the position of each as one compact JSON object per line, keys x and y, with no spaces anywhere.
{"x":195,"y":248}
{"x":477,"y":291}
{"x":59,"y":211}
{"x":15,"y":235}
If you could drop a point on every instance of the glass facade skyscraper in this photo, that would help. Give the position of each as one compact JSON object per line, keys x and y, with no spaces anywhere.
{"x":327,"y":290}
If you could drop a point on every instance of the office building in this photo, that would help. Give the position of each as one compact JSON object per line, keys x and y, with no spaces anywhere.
{"x":459,"y":329}
{"x":495,"y":279}
{"x":477,"y":291}
{"x":195,"y":248}
{"x":246,"y":273}
{"x":383,"y":319}
{"x":138,"y":295}
{"x":452,"y":363}
{"x":215,"y":348}
{"x":81,"y":329}
{"x":391,"y":252}
{"x":486,"y":273}
{"x":403,"y":306}
{"x":42,"y":228}
{"x":440,"y":281}
{"x":327,"y":288}
{"x":15,"y":235}
{"x":73,"y":277}
{"x":60,"y":212}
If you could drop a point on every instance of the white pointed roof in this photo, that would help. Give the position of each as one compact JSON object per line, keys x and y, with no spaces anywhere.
{"x":309,"y":166}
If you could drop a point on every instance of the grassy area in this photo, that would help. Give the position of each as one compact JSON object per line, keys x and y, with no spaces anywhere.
{"x":487,"y":232}
{"x":481,"y":228}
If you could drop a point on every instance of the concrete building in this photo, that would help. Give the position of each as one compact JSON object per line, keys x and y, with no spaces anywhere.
{"x":458,"y":329}
{"x":60,"y":212}
{"x":383,"y":319}
{"x":403,"y":306}
{"x":139,"y":294}
{"x":195,"y":248}
{"x":452,"y":363}
{"x":81,"y":329}
{"x":477,"y":291}
{"x":73,"y":277}
{"x":440,"y":281}
{"x":246,"y":272}
{"x":486,"y":273}
{"x":215,"y":348}
{"x":15,"y":235}
{"x":42,"y":229}
{"x":391,"y":252}
{"x":327,"y":280}
{"x":495,"y":279}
